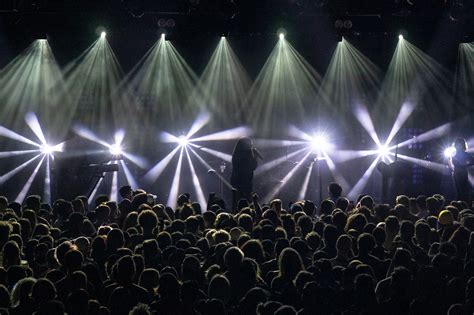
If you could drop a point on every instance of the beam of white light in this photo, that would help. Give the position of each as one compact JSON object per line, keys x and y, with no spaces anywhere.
{"x":47,"y":181}
{"x":33,"y":122}
{"x":298,"y":133}
{"x":21,"y":196}
{"x":137,"y":160}
{"x":94,"y":192}
{"x":11,"y":173}
{"x":128,"y":175}
{"x":341,"y":156}
{"x":173,"y":195}
{"x":221,"y":155}
{"x":89,"y":135}
{"x":286,"y":179}
{"x":203,"y":162}
{"x":225,"y":135}
{"x":405,"y":111}
{"x":16,"y":153}
{"x":304,"y":186}
{"x":198,"y":124}
{"x":470,"y":144}
{"x":274,"y":163}
{"x":271,"y":143}
{"x":437,"y":167}
{"x":197,"y":185}
{"x":167,"y":137}
{"x":362,"y":182}
{"x":471,"y":179}
{"x":363,"y":116}
{"x":427,"y":136}
{"x":114,"y":187}
{"x":119,"y":136}
{"x":14,"y":136}
{"x":156,"y":171}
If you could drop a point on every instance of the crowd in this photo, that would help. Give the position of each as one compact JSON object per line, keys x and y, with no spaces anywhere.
{"x":137,"y":257}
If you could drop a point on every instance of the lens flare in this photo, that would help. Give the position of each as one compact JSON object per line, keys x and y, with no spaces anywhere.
{"x":115,"y":149}
{"x":183,"y":141}
{"x":46,"y":149}
{"x":449,"y":152}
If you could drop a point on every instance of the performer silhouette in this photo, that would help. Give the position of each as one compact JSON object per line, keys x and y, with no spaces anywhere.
{"x":244,"y":162}
{"x":459,"y":163}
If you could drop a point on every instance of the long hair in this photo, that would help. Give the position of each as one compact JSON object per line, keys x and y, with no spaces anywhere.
{"x":244,"y":144}
{"x":460,"y":144}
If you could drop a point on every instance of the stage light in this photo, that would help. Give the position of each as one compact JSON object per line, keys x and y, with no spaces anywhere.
{"x":383,"y":151}
{"x":103,"y":35}
{"x":319,"y":143}
{"x":449,"y":152}
{"x":183,"y":141}
{"x":163,"y":36}
{"x":400,"y":37}
{"x":46,"y":149}
{"x":115,"y":149}
{"x":282,"y":36}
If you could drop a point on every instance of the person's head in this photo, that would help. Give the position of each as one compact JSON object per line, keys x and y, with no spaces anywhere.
{"x":326,"y":207}
{"x":365,"y":243}
{"x":330,"y":235}
{"x":290,"y":263}
{"x":407,"y":230}
{"x":460,"y":144}
{"x":392,"y":225}
{"x":367,"y":201}
{"x":253,"y":249}
{"x":344,"y":245}
{"x":379,"y":235}
{"x":33,"y":202}
{"x":335,"y":190}
{"x":73,"y":260}
{"x":243,"y":144}
{"x":149,"y":279}
{"x":148,"y":220}
{"x":43,"y":291}
{"x":219,"y":288}
{"x":233,"y":258}
{"x":126,"y":192}
{"x":445,"y":218}
{"x":11,"y":254}
{"x":22,"y":290}
{"x":125,"y":270}
{"x":432,"y":205}
{"x":403,"y":200}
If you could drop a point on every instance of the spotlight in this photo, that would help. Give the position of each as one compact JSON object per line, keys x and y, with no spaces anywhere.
{"x":383,"y":151}
{"x":46,"y":149}
{"x":162,"y":23}
{"x":282,"y":36}
{"x":163,"y":35}
{"x":400,"y":37}
{"x":339,"y":24}
{"x":183,"y":141}
{"x":449,"y":152}
{"x":319,"y":143}
{"x":103,"y":34}
{"x":171,"y":23}
{"x":115,"y":149}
